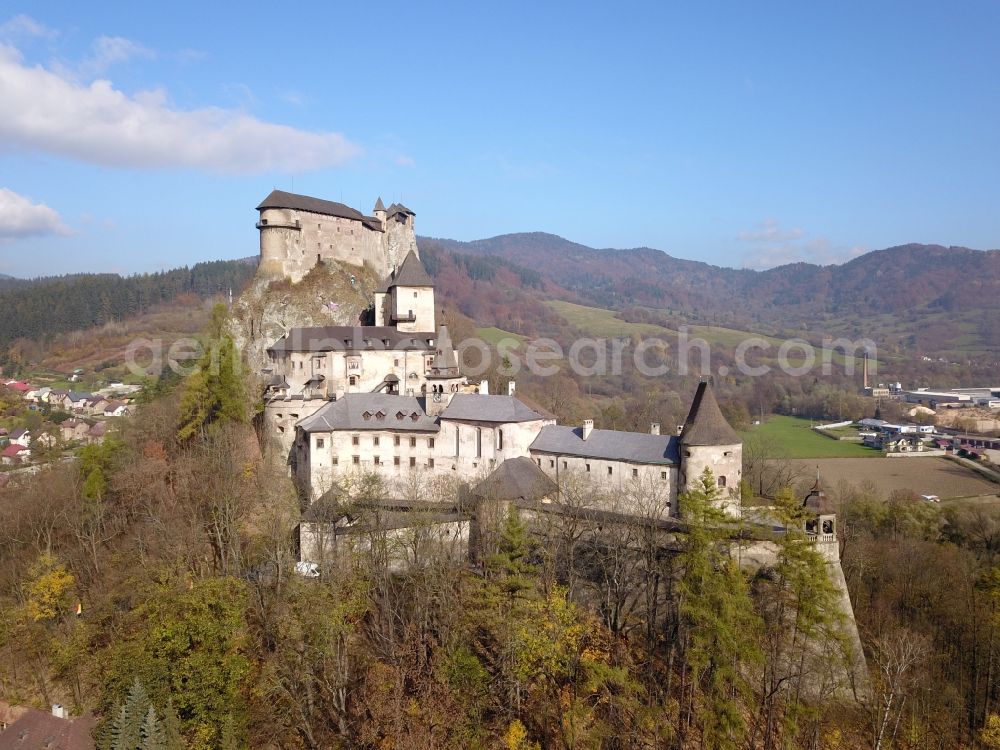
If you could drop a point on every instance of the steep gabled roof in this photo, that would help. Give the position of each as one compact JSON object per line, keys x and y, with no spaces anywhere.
{"x":281,"y":199}
{"x":705,"y":424}
{"x":412,"y":272}
{"x":445,"y":362}
{"x":608,"y":445}
{"x":360,"y":411}
{"x":475,"y":407}
{"x":516,"y":479}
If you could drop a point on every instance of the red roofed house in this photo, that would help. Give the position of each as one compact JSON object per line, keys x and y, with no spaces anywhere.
{"x":30,"y":729}
{"x":15,"y":454}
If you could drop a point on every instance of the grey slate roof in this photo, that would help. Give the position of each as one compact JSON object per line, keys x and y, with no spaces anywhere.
{"x":360,"y":411}
{"x":281,"y":199}
{"x":611,"y":445}
{"x":379,"y":205}
{"x":445,"y":364}
{"x":349,"y":338}
{"x":474,"y":407}
{"x":412,"y":272}
{"x":705,"y":424}
{"x":516,"y":479}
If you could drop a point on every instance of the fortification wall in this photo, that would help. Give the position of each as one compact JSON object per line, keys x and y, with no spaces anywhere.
{"x":291,"y":243}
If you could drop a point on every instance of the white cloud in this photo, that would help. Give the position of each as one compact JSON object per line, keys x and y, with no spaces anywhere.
{"x":774,"y":246}
{"x":19,"y":217}
{"x":47,"y":110}
{"x":770,"y":231}
{"x":25,"y":26}
{"x":110,"y":50}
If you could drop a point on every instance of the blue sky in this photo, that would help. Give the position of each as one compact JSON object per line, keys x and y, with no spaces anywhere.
{"x":137,"y":137}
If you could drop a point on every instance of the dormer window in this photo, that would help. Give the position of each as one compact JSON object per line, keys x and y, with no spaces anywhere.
{"x":366,"y":416}
{"x":399,"y":415}
{"x":380,"y":415}
{"x":414,"y":416}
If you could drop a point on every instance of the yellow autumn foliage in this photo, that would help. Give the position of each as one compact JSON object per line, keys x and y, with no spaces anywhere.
{"x":48,"y":590}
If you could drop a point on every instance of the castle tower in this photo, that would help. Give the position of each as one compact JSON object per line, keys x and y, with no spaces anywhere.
{"x":707,"y":440}
{"x":443,"y":376}
{"x":821,"y":520}
{"x":406,"y":299}
{"x":379,"y":210}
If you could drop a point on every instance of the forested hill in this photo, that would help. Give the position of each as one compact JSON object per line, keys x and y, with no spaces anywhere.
{"x":37,"y":307}
{"x":885,"y":281}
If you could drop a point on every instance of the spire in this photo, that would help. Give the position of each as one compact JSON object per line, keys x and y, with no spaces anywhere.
{"x":705,"y":424}
{"x":379,"y":205}
{"x":411,"y":272}
{"x":445,"y":364}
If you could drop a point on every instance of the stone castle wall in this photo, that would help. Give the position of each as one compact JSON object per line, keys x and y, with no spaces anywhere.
{"x":292,"y":241}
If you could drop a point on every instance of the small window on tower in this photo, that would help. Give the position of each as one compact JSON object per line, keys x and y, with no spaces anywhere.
{"x":319,"y":442}
{"x":722,"y":481}
{"x":414,"y":294}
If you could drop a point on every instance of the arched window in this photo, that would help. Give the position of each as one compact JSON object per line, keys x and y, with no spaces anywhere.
{"x":722,"y":481}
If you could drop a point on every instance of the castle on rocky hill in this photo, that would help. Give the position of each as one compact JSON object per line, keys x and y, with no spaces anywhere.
{"x":390,"y":399}
{"x":297,"y":232}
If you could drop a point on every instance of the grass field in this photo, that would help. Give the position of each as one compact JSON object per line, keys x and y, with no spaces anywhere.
{"x":494,"y":336}
{"x":599,"y":322}
{"x":924,"y":476}
{"x":793,"y":437}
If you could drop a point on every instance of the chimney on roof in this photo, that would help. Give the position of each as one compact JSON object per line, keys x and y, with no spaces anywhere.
{"x":654,"y":428}
{"x":588,"y":427}
{"x":511,"y":387}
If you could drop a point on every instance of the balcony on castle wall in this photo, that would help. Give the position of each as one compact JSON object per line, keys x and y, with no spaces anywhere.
{"x":265,"y":224}
{"x":407,"y":317}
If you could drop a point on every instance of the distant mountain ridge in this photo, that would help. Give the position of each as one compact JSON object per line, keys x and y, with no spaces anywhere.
{"x":882,"y":281}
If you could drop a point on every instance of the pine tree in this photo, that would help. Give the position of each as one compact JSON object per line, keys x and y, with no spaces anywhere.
{"x":172,"y":728}
{"x":153,"y":736}
{"x":510,"y":562}
{"x":126,"y":730}
{"x":718,"y":621}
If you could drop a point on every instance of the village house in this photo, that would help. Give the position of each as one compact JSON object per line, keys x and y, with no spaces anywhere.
{"x":15,"y":454}
{"x":24,"y":728}
{"x":20,"y":436}
{"x":73,"y":429}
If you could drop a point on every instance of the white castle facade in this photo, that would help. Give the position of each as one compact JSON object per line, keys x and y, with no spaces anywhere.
{"x":389,"y":399}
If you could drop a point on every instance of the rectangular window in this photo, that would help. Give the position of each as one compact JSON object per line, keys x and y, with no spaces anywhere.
{"x":663,"y":475}
{"x":610,"y":471}
{"x":635,"y":473}
{"x":395,"y":440}
{"x":430,"y":463}
{"x":552,"y":463}
{"x":378,"y":461}
{"x":375,"y":440}
{"x":430,"y":442}
{"x":395,"y":460}
{"x":335,"y":461}
{"x":414,"y":294}
{"x":565,"y":464}
{"x":319,"y":442}
{"x":588,"y":467}
{"x":413,"y":442}
{"x":355,"y":440}
{"x":356,"y":460}
{"x":413,"y":462}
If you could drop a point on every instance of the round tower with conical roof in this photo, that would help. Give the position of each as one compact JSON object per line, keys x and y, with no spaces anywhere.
{"x":708,"y":440}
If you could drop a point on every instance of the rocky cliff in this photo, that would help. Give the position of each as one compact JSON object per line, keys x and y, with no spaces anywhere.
{"x":330,"y":294}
